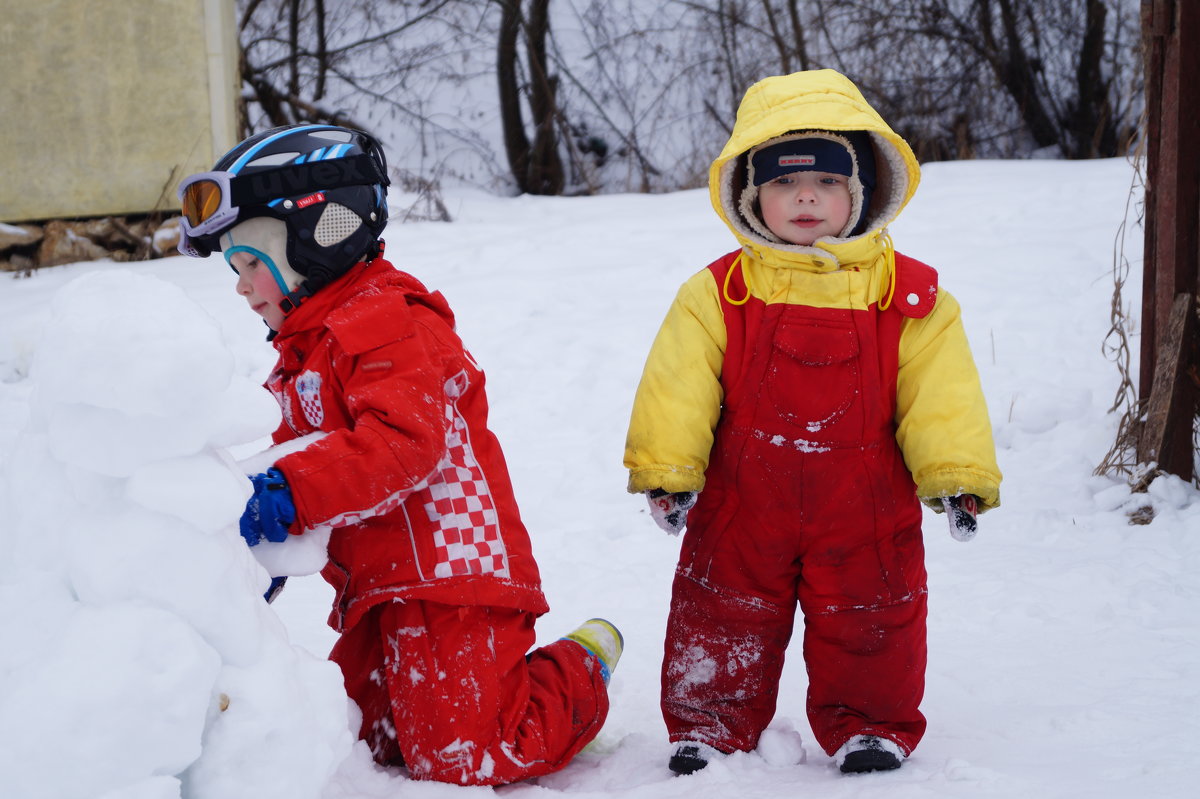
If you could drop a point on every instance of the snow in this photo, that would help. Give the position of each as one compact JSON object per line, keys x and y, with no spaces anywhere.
{"x":138,"y":661}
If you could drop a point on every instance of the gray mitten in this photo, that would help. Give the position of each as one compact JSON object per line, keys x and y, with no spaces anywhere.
{"x":670,"y":510}
{"x":961,"y":512}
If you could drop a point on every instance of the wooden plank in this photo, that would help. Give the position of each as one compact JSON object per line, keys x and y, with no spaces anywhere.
{"x":1166,"y":437}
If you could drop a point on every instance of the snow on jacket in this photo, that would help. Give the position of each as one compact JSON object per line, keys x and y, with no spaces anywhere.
{"x":942,"y":423}
{"x":409,"y":476}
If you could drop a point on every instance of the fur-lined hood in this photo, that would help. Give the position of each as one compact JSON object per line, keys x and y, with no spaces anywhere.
{"x":813,"y":100}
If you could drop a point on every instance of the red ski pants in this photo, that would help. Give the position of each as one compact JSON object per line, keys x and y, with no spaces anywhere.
{"x":450,"y":692}
{"x":807,"y":501}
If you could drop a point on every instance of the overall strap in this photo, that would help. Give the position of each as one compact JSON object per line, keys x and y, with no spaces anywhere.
{"x":916,"y":287}
{"x":734,"y":294}
{"x":914,"y":297}
{"x":731,"y":280}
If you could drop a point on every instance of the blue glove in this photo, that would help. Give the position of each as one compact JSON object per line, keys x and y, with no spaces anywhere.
{"x":274,"y":589}
{"x":270,"y":511}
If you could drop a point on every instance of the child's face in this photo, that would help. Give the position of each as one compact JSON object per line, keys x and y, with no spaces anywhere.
{"x":258,"y":286}
{"x":800,"y":207}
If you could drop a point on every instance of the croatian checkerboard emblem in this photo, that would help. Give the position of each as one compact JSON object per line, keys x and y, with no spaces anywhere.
{"x":308,"y":389}
{"x":467,"y":538}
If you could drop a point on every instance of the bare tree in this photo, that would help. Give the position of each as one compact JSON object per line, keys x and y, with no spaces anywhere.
{"x":535,"y":165}
{"x":596,"y":95}
{"x":620,"y":89}
{"x":1066,"y":71}
{"x":958,"y":78}
{"x":750,"y":39}
{"x":291,"y":60}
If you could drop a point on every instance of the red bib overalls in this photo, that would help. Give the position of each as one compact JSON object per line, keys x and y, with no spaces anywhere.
{"x":806,"y":499}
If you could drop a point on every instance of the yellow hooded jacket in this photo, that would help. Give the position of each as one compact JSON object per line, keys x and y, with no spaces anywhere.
{"x":942,"y":423}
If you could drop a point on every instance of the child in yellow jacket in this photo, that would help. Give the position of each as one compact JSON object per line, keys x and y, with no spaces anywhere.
{"x":804,"y":394}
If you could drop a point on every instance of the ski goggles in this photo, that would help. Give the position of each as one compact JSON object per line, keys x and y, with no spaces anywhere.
{"x":206,"y":202}
{"x":211,"y":201}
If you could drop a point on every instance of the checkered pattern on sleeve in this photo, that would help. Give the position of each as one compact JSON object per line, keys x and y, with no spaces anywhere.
{"x":467,"y":534}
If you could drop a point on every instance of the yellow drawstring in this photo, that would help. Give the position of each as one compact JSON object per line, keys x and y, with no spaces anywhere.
{"x":889,"y":265}
{"x":737,"y":263}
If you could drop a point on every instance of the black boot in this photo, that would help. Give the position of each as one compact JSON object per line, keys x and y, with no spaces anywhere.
{"x":688,"y":758}
{"x":865,"y":753}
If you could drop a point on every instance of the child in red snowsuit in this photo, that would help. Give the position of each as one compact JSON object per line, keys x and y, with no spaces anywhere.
{"x":437,"y":587}
{"x":803,"y":394}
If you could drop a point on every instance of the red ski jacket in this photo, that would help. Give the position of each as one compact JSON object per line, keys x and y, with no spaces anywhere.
{"x":409,"y":477}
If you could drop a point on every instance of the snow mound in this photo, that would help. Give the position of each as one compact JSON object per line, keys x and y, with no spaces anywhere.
{"x":139,"y":606}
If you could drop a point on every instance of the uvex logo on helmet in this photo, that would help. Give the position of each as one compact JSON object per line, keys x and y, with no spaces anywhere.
{"x":290,"y":180}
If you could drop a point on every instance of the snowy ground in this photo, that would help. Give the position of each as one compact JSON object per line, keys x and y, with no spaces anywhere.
{"x":1064,"y":646}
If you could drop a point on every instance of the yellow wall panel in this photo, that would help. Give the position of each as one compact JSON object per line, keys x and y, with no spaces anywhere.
{"x":106,"y":104}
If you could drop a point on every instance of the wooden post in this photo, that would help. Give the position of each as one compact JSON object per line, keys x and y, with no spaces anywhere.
{"x":1171,"y":273}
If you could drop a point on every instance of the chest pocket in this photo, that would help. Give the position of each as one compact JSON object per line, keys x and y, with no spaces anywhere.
{"x":814,"y":382}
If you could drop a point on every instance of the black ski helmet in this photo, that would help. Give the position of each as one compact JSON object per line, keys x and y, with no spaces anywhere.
{"x":327,"y":183}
